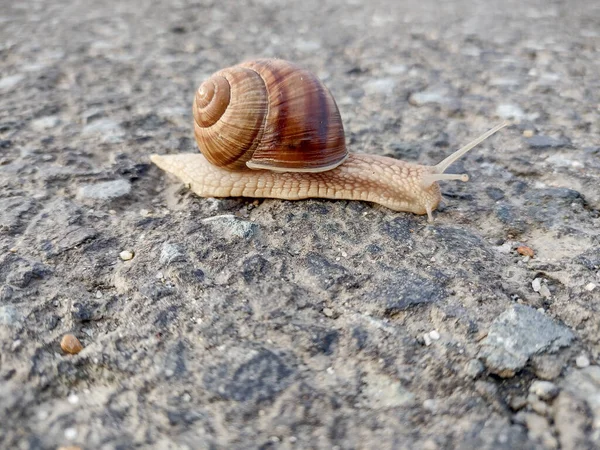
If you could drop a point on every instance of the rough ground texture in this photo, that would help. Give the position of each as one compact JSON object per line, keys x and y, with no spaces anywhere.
{"x":313,"y":324}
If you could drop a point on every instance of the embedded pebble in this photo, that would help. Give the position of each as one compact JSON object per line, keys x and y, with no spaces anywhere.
{"x":231,"y":224}
{"x":70,"y":433}
{"x":518,"y":402}
{"x":545,"y":291}
{"x":10,"y":81}
{"x":518,"y":334}
{"x":474,"y":368}
{"x":525,"y":251}
{"x":539,"y":429}
{"x":104,"y":191}
{"x":433,"y":96}
{"x":427,"y":339}
{"x":536,"y":284}
{"x":9,"y":315}
{"x":126,"y":255}
{"x":381,"y":86}
{"x":540,"y":142}
{"x":590,"y":287}
{"x":430,"y":405}
{"x":169,"y":253}
{"x":509,"y":111}
{"x":538,"y":405}
{"x":73,"y":399}
{"x":328,"y":312}
{"x":504,"y":248}
{"x":582,"y":361}
{"x":70,"y":344}
{"x":45,"y":123}
{"x":544,"y":389}
{"x":528,"y":133}
{"x":434,"y":334}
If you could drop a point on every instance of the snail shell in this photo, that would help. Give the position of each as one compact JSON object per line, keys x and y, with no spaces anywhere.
{"x":268,"y":114}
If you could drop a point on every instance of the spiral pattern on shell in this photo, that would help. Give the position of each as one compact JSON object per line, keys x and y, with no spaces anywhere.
{"x":268,"y":114}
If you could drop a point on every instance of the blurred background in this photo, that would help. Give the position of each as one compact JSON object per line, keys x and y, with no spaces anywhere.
{"x":416,"y":69}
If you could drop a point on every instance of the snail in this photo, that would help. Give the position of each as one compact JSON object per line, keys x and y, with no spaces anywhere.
{"x":270,"y":129}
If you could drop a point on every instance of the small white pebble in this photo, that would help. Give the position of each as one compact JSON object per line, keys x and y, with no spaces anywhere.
{"x":545,"y":291}
{"x":126,"y":255}
{"x":159,"y":275}
{"x":582,"y":361}
{"x":70,"y":433}
{"x":430,"y":405}
{"x":186,"y":397}
{"x":330,"y":370}
{"x":73,"y":399}
{"x":504,"y":248}
{"x":536,"y":284}
{"x":98,"y":294}
{"x":590,"y":287}
{"x":292,"y":439}
{"x":15,"y":345}
{"x":544,"y":390}
{"x":434,"y":334}
{"x":169,"y":373}
{"x":328,"y":312}
{"x":344,"y":255}
{"x":528,"y":133}
{"x":144,"y":212}
{"x":427,"y":339}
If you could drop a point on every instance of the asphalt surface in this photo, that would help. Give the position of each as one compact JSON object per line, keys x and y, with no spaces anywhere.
{"x":241,"y":323}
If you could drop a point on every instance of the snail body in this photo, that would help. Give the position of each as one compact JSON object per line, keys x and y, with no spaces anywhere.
{"x":270,"y":129}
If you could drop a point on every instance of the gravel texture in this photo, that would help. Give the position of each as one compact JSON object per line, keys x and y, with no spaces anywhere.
{"x":270,"y":324}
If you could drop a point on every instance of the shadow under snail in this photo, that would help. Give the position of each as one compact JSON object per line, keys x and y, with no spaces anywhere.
{"x":270,"y":129}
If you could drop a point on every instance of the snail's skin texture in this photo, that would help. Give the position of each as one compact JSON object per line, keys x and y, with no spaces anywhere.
{"x":395,"y":184}
{"x":390,"y":182}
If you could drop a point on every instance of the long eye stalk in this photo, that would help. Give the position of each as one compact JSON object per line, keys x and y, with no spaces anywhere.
{"x":439,"y":169}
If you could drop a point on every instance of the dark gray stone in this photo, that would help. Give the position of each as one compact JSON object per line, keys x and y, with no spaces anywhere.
{"x":254,"y":268}
{"x":327,"y":274}
{"x":590,"y":259}
{"x":518,"y":334}
{"x":399,"y":229}
{"x":261,"y":377}
{"x":494,"y":193}
{"x":170,"y":253}
{"x":540,"y":141}
{"x":13,"y":211}
{"x":406,"y":290}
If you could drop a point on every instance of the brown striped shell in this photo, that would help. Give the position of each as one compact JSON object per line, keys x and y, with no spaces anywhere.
{"x":268,"y":114}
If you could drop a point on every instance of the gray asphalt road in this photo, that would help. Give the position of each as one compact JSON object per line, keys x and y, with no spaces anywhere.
{"x":240,"y":324}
